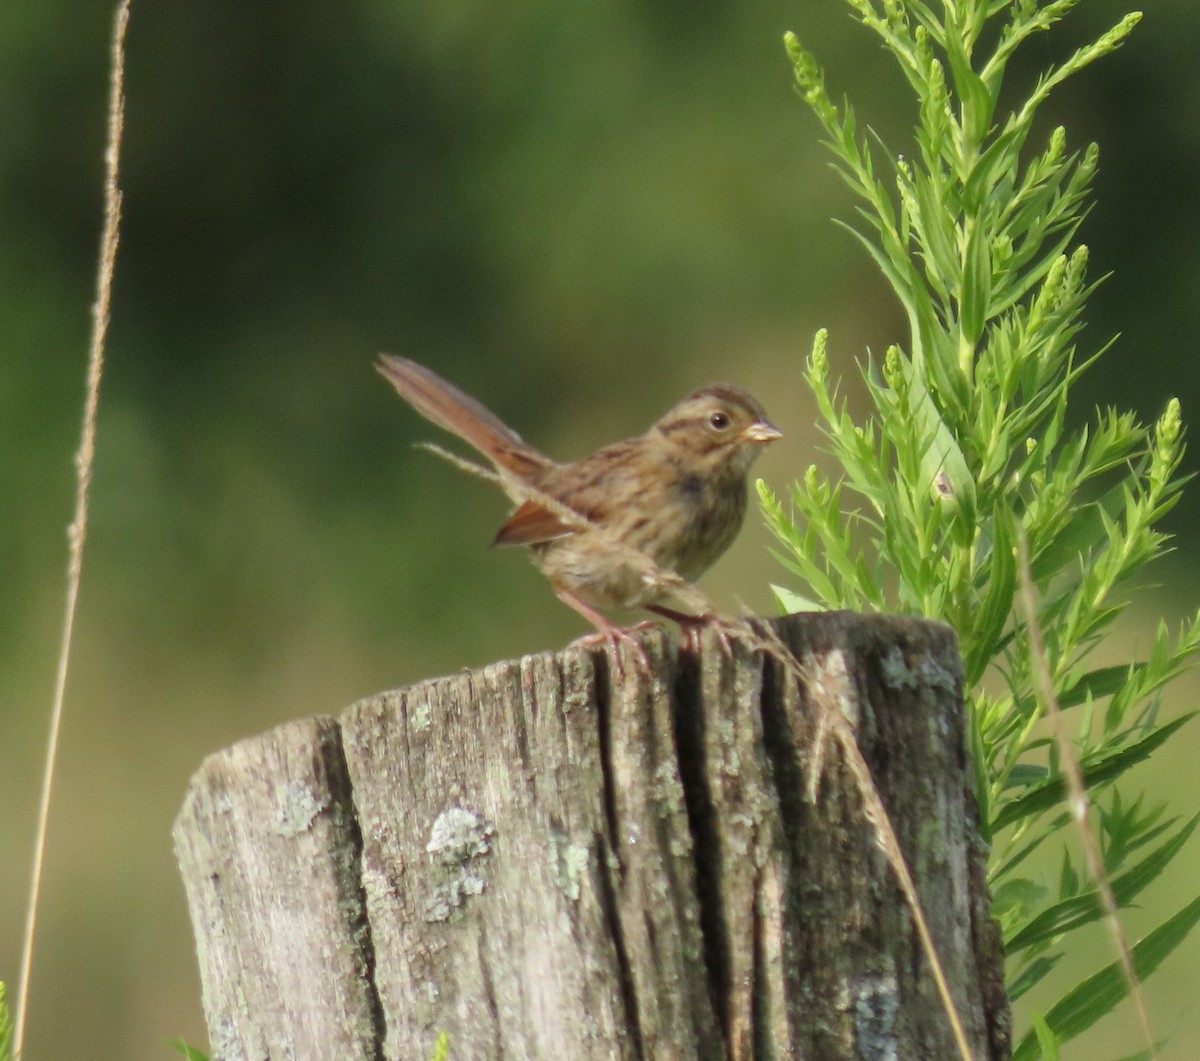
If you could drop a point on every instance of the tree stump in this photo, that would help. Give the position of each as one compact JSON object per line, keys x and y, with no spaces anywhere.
{"x":536,"y":861}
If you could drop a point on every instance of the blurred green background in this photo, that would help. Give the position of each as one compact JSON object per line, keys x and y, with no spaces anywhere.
{"x":576,"y":212}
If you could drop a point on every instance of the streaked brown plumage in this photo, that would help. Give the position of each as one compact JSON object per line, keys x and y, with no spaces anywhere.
{"x":677,"y":493}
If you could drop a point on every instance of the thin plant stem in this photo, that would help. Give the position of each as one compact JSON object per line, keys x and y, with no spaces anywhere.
{"x":77,"y":532}
{"x":1077,"y":801}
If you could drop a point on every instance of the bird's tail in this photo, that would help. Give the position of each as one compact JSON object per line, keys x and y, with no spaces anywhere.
{"x":459,"y":413}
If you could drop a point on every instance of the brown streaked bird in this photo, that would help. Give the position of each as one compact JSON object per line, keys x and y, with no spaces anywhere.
{"x":676,"y":494}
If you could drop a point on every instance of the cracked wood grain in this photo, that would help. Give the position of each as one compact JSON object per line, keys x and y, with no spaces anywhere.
{"x":544,"y":865}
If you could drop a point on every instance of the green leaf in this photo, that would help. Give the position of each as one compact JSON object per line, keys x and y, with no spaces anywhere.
{"x":894,"y":272}
{"x":6,"y":1028}
{"x":979,"y":769}
{"x":792,"y":602}
{"x":1016,"y":894}
{"x":937,"y":230}
{"x":1083,"y":529}
{"x":1047,"y":1040}
{"x":188,"y":1051}
{"x":941,"y":453}
{"x":977,"y":101}
{"x":1000,"y":157}
{"x":977,"y":283}
{"x":1101,"y":992}
{"x":1024,"y":775}
{"x":1080,"y":910}
{"x":1033,"y":974}
{"x":1102,"y":768}
{"x":994,"y":610}
{"x":1096,"y":684}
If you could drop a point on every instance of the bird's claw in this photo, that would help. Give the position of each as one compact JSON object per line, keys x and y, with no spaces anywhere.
{"x":692,"y":627}
{"x":614,"y":637}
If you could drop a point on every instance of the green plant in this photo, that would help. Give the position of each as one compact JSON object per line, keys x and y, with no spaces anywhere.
{"x":190,"y":1053}
{"x":441,"y":1048}
{"x":967,"y":450}
{"x":6,"y":1028}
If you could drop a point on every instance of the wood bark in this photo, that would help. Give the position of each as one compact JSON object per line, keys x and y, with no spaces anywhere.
{"x":539,"y":861}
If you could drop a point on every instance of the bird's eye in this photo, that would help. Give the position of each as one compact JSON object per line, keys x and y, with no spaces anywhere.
{"x":719,"y":421}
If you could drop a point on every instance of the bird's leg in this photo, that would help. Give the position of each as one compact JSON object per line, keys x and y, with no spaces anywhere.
{"x":692,"y":626}
{"x":607,"y":631}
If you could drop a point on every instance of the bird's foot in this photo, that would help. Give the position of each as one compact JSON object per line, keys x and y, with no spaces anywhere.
{"x":692,"y":627}
{"x":608,"y":633}
{"x":618,"y":640}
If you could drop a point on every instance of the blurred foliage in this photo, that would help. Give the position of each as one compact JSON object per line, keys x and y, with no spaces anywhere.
{"x":545,"y":204}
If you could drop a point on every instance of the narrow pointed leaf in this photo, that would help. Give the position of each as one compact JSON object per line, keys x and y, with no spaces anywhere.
{"x":997,"y":603}
{"x":1100,"y":993}
{"x":977,"y":283}
{"x":1103,"y":769}
{"x":1047,"y":1040}
{"x":1080,"y":910}
{"x":1096,"y":684}
{"x":1032,"y":974}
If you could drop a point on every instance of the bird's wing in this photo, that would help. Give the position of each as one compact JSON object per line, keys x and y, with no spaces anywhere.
{"x":531,"y":524}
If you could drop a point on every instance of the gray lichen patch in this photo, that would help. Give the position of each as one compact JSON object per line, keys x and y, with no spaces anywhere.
{"x":570,"y":863}
{"x":450,"y":895}
{"x":876,"y":1002}
{"x":420,"y":716}
{"x":936,"y":675}
{"x":459,"y":834}
{"x":895,"y":671}
{"x":297,"y":807}
{"x":927,"y":670}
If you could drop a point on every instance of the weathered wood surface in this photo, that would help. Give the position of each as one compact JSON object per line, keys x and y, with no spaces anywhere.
{"x":541,"y":865}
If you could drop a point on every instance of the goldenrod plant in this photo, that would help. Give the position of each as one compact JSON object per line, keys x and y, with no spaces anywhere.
{"x":967,"y":452}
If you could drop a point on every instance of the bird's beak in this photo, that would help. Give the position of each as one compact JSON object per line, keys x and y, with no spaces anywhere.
{"x":762,"y":431}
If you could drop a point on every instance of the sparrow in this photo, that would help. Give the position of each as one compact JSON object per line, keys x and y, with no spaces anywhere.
{"x":674,"y":496}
